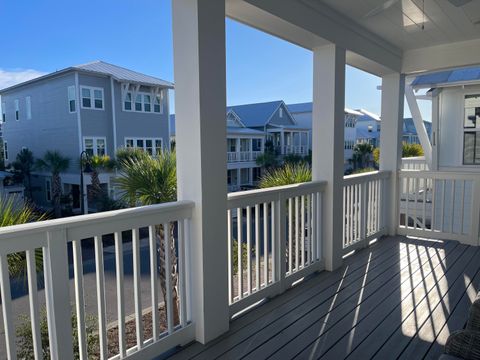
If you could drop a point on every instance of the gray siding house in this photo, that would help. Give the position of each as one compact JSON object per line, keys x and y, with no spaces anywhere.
{"x":96,"y":107}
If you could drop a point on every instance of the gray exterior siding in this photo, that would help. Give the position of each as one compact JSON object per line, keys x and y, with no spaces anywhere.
{"x":96,"y":122}
{"x":285,"y":120}
{"x":51,"y":127}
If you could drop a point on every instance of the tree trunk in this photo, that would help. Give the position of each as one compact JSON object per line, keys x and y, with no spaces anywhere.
{"x":172,"y":271}
{"x":56,"y":194}
{"x":95,"y":189}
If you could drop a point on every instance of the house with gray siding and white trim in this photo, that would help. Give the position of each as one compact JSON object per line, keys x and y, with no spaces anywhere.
{"x":96,"y":107}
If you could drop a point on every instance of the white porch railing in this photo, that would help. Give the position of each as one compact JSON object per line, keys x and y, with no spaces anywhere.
{"x":297,"y":149}
{"x":242,"y":156}
{"x":414,"y":163}
{"x":441,"y":205}
{"x":364,"y":208}
{"x":274,"y":239}
{"x":150,"y":225}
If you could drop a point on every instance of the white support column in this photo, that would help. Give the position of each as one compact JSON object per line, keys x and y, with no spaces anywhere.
{"x":419,"y":125}
{"x":327,"y":144}
{"x":282,"y":142}
{"x":393,"y":90}
{"x":200,"y":97}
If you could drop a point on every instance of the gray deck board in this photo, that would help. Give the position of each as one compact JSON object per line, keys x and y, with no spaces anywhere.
{"x":398,"y":298}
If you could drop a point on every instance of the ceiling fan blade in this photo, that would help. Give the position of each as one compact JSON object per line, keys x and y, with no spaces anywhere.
{"x":386,"y":5}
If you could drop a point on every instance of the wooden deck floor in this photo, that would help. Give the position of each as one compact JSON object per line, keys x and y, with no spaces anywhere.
{"x":400,"y":298}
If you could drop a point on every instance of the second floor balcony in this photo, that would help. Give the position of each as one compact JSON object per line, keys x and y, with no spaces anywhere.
{"x":242,"y":156}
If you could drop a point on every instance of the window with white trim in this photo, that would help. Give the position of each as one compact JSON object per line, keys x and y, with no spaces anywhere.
{"x":48,"y":189}
{"x":471,"y":130}
{"x":143,"y":102}
{"x":95,"y":146}
{"x":17,"y":110}
{"x":4,"y":112}
{"x":152,"y":146}
{"x":72,"y":101}
{"x":28,"y":105}
{"x":127,"y":104}
{"x":5,"y":150}
{"x":92,"y":97}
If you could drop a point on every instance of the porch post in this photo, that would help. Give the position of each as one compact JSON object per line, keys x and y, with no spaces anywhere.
{"x":200,"y":96}
{"x":393,"y":90}
{"x":327,"y":144}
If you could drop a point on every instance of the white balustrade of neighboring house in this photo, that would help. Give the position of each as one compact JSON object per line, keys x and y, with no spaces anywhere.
{"x":414,"y":163}
{"x":242,"y":156}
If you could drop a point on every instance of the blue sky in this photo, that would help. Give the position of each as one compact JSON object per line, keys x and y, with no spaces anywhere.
{"x":53,"y":34}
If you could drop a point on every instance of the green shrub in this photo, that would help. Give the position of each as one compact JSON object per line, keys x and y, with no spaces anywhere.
{"x":25,"y":338}
{"x":244,"y":255}
{"x":286,"y":175}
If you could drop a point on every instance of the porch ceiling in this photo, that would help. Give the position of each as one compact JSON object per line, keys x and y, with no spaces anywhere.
{"x":392,"y":39}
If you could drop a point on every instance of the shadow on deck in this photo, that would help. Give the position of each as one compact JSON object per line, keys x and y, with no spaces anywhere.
{"x":399,"y":298}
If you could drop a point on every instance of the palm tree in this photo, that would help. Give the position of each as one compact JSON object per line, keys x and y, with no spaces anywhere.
{"x":12,"y":212}
{"x":98,"y":163}
{"x":286,"y":175}
{"x":56,"y":163}
{"x":23,"y":166}
{"x":361,"y":153}
{"x":146,"y":180}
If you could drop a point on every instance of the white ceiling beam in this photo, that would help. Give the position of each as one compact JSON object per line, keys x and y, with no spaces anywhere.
{"x":441,"y":57}
{"x":312,"y":24}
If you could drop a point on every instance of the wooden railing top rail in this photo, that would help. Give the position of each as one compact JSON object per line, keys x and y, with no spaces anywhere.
{"x":252,"y":197}
{"x":106,"y":222}
{"x":359,"y":178}
{"x":447,"y":175}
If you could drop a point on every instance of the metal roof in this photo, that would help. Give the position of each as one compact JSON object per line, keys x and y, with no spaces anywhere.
{"x":102,"y":68}
{"x":447,"y":78}
{"x":122,"y":74}
{"x":230,"y":129}
{"x":308,"y":107}
{"x":256,"y":115}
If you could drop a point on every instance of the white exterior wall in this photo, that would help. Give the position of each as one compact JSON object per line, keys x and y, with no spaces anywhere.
{"x":449,"y":144}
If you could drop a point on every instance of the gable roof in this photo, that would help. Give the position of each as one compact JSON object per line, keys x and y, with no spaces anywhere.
{"x":102,"y":68}
{"x":446,"y":78}
{"x":308,"y":107}
{"x":256,"y":115}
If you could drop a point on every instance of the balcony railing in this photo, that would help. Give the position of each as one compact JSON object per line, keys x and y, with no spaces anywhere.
{"x":414,"y":163}
{"x":298,"y":150}
{"x":364,"y":208}
{"x":157,"y":226}
{"x":274,"y":238}
{"x":443,"y":205}
{"x":242,"y":156}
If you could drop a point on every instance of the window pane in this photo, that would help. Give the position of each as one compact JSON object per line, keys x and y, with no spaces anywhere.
{"x":470,"y":117}
{"x":98,"y":104}
{"x":100,"y":147}
{"x":477,"y":148}
{"x":156,"y":104}
{"x":89,"y":146}
{"x":140,"y":143}
{"x":86,"y":102}
{"x":149,"y":146}
{"x":97,"y":94}
{"x":128,"y":101}
{"x":146,"y":103}
{"x":138,"y":103}
{"x":469,"y":148}
{"x":158,"y":146}
{"x":129,"y":143}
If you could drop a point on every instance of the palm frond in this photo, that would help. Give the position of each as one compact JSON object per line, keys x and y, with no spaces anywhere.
{"x":286,"y":175}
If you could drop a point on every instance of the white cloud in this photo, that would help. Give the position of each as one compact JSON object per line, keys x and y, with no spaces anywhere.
{"x":12,"y":77}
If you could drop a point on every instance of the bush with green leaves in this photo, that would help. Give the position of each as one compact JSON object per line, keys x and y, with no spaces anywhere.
{"x":244,"y":255}
{"x":25,"y":337}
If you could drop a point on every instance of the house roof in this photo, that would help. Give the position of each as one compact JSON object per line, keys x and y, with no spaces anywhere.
{"x":409,"y":126}
{"x":100,"y":67}
{"x":447,"y":78}
{"x":308,"y":107}
{"x":256,"y":115}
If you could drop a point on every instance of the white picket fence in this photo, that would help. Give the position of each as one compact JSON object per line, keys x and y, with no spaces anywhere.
{"x":52,"y":238}
{"x":440,"y":205}
{"x":363,"y":208}
{"x":274,"y":239}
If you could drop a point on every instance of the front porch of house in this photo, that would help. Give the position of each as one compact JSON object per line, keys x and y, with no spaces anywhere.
{"x":399,"y":298}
